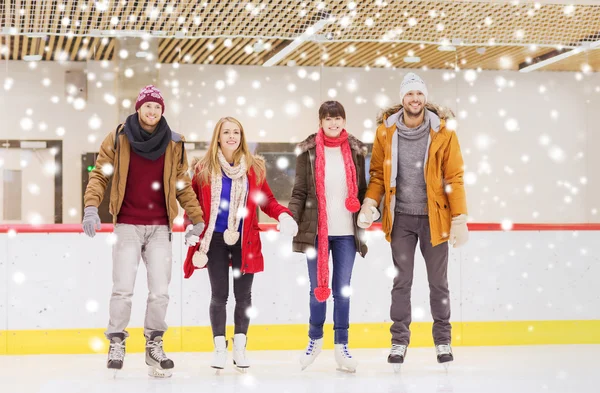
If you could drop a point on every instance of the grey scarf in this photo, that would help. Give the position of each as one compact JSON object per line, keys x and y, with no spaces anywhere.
{"x":148,"y":145}
{"x":413,"y":133}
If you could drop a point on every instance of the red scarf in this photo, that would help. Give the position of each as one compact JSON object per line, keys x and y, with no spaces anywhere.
{"x":322,"y":290}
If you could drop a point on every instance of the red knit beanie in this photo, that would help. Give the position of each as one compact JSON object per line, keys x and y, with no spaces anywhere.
{"x":150,"y":94}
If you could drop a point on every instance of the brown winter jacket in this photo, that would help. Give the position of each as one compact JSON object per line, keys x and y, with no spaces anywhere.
{"x":303,"y":202}
{"x":115,"y":151}
{"x":443,"y":170}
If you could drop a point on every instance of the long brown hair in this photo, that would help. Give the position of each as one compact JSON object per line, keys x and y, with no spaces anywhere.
{"x":209,"y":164}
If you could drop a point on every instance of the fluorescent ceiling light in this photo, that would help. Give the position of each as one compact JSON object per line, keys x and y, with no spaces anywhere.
{"x":412,"y":59}
{"x":446,"y":48}
{"x":9,"y":30}
{"x":32,"y":57}
{"x":296,"y":42}
{"x":557,"y":58}
{"x":122,"y":33}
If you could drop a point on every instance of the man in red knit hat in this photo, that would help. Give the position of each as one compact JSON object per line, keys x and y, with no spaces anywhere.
{"x":148,"y":165}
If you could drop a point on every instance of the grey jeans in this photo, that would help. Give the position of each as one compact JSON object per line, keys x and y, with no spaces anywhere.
{"x":406,"y":231}
{"x":151,"y":243}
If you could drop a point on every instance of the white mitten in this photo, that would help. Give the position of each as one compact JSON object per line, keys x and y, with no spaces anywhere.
{"x":459,"y":232}
{"x":368,"y":213}
{"x":287,"y":225}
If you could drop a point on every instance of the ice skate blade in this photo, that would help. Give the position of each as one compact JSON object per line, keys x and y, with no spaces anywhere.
{"x":112,"y":371}
{"x":397,"y":367}
{"x":159,"y":373}
{"x":346,"y":370}
{"x":242,"y":370}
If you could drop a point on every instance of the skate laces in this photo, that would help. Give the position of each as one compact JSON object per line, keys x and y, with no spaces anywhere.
{"x":345,"y":351}
{"x":311,"y":347}
{"x":398,"y":349}
{"x":117,"y":351}
{"x":443,"y":349}
{"x":156,"y":350}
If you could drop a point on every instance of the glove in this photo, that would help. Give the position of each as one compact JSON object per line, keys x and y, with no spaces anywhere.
{"x":287,"y":225}
{"x":368,"y":213}
{"x":91,"y":221}
{"x":192,"y":234}
{"x":459,"y":233}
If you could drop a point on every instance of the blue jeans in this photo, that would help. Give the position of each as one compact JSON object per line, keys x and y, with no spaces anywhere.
{"x":343,"y":249}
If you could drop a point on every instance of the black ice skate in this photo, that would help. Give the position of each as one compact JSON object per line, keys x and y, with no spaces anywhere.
{"x":396,"y":356}
{"x":444,"y":354}
{"x":159,"y":365}
{"x":116,"y":352}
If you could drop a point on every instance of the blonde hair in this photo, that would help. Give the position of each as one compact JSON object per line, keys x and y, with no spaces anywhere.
{"x":209,"y":164}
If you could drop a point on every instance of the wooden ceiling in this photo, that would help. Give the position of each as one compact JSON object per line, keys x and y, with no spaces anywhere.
{"x":227,"y":32}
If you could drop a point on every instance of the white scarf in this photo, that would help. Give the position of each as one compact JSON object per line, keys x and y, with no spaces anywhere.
{"x":237,"y":206}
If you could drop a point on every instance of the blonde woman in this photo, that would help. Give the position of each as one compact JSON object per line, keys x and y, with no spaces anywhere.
{"x":230,"y":184}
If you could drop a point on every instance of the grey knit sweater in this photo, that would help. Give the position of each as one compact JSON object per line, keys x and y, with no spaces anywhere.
{"x":411,"y":190}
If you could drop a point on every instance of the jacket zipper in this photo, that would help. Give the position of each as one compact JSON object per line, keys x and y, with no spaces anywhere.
{"x":355,"y":217}
{"x":310,"y":161}
{"x":117,"y":174}
{"x":168,"y":201}
{"x":243,"y":224}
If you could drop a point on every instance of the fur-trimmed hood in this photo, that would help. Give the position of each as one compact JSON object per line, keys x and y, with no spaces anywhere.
{"x":390,"y":115}
{"x":355,"y":144}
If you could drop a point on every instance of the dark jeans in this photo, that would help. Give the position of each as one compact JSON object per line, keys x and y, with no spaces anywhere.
{"x":343,"y":249}
{"x":405,"y":233}
{"x":220,"y":255}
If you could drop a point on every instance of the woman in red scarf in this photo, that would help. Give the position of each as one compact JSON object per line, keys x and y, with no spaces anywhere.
{"x":329,"y":187}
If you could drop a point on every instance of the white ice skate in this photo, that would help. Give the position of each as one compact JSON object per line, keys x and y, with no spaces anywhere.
{"x":312,"y":351}
{"x":159,"y":365}
{"x":343,"y":358}
{"x":444,"y":355}
{"x":396,"y":356}
{"x":220,"y":353}
{"x":239,"y":353}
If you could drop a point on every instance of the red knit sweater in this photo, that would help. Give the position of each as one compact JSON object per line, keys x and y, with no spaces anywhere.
{"x":144,"y":202}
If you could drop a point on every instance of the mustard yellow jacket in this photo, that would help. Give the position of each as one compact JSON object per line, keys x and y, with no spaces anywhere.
{"x":443,"y":169}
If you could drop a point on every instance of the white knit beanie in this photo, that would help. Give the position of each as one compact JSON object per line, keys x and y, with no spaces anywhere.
{"x":411,"y":82}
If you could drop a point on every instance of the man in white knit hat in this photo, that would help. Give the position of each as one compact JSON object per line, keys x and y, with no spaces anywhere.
{"x":417,"y":169}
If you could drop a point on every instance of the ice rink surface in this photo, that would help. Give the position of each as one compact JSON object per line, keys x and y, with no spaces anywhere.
{"x":526,"y":369}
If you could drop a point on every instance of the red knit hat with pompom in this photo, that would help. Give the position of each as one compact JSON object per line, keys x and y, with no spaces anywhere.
{"x":150,"y":94}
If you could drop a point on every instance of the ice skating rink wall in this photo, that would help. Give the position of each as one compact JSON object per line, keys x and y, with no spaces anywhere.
{"x":530,"y":144}
{"x":534,"y":284}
